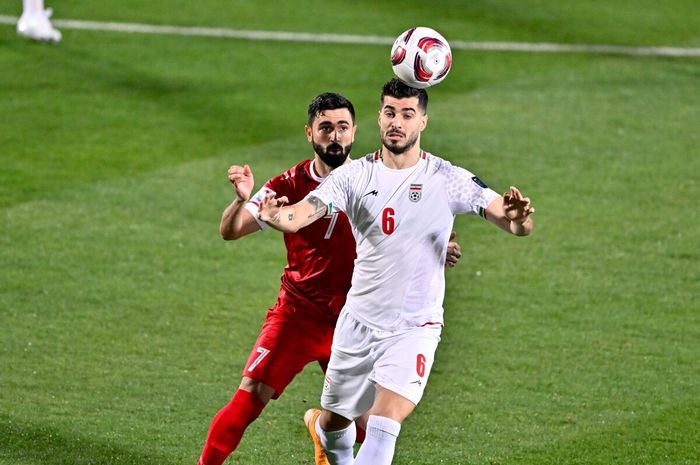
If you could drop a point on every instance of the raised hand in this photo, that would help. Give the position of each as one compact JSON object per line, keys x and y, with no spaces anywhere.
{"x":516,"y":207}
{"x":242,"y":179}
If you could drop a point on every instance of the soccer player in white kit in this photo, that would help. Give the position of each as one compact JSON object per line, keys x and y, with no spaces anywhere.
{"x":401,"y":202}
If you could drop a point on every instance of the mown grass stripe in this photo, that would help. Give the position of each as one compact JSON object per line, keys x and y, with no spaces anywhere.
{"x":284,"y":36}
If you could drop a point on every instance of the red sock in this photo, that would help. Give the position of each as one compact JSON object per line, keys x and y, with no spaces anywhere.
{"x":360,"y":434}
{"x":228,"y":426}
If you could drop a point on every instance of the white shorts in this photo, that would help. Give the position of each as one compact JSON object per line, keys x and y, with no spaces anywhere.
{"x":399,"y":361}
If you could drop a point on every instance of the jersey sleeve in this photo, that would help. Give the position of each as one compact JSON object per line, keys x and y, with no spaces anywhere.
{"x":334,"y":190}
{"x":467,"y":194}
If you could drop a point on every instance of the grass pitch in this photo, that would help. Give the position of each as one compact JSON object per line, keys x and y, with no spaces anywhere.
{"x":126,"y":320}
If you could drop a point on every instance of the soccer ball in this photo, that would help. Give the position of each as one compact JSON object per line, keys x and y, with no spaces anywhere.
{"x":421,"y":57}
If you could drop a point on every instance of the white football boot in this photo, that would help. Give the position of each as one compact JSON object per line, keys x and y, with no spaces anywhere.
{"x":38,"y":27}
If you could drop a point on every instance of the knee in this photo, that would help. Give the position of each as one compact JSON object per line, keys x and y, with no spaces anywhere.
{"x":391,"y":405}
{"x":261,"y":390}
{"x":330,"y":421}
{"x":395,"y":413}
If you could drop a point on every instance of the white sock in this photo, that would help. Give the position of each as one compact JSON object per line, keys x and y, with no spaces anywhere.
{"x":33,"y":7}
{"x":380,"y":442}
{"x":338,"y":444}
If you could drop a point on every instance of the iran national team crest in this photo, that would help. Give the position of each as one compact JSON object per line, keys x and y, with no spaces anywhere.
{"x":414,"y":192}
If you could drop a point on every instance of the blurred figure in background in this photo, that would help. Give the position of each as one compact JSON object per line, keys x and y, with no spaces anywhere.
{"x":35,"y":24}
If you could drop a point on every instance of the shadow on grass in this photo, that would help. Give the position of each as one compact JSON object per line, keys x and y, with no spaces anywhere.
{"x":29,"y":444}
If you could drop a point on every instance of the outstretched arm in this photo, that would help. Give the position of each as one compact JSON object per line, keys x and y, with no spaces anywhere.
{"x":291,"y":218}
{"x":511,"y":212}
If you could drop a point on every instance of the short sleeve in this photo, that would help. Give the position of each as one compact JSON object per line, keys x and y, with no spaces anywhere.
{"x":467,"y":194}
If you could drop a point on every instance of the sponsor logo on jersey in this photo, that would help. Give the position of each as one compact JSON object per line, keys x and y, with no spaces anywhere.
{"x":414,"y":192}
{"x":374,"y":193}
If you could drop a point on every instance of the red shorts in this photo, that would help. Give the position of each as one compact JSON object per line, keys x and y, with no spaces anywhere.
{"x":286,"y":344}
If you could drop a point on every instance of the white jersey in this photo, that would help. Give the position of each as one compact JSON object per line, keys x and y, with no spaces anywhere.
{"x":401,"y":221}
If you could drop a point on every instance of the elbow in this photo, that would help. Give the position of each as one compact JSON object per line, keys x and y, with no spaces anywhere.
{"x":228,"y":235}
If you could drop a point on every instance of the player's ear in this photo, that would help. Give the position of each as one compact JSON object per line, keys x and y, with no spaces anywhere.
{"x":424,"y":122}
{"x":309,"y":135}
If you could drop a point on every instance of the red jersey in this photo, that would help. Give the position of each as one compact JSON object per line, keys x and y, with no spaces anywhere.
{"x":320,"y":257}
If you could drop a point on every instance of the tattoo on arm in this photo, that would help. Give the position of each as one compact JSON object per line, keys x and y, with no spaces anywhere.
{"x":320,"y":208}
{"x":276,"y":218}
{"x":290,"y":217}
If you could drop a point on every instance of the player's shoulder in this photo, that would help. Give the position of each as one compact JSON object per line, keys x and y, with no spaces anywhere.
{"x":371,"y":158}
{"x":295,"y":174}
{"x":368,"y":160}
{"x":443,"y":166}
{"x":452,"y":174}
{"x":436,"y":164}
{"x":298,"y":171}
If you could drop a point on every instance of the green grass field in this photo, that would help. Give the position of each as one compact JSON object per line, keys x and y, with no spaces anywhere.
{"x":126,"y":320}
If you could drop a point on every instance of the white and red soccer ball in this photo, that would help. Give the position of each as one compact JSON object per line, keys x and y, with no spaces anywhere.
{"x":421,"y":57}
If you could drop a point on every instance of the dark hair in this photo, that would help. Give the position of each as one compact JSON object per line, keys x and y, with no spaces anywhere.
{"x":329,"y":101}
{"x":399,"y":89}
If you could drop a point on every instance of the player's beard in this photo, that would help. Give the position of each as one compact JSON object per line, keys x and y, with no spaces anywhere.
{"x":333,"y":154}
{"x":395,"y":147}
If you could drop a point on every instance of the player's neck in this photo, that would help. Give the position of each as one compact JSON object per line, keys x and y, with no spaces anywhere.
{"x":321,"y":169}
{"x":400,"y":161}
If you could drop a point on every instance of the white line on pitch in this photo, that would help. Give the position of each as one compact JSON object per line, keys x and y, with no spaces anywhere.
{"x":361,"y":39}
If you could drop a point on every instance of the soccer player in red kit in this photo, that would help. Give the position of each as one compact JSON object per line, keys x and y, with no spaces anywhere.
{"x":299,"y":328}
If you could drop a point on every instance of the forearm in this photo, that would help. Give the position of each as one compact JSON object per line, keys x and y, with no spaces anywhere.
{"x":289,"y":219}
{"x":285,"y":226}
{"x":522,"y":229}
{"x":292,"y":218}
{"x":233,"y":224}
